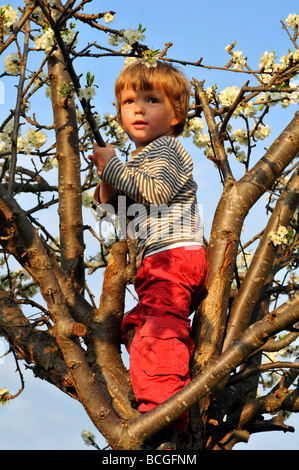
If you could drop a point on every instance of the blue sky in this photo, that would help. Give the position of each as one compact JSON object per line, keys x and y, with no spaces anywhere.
{"x":42,"y":417}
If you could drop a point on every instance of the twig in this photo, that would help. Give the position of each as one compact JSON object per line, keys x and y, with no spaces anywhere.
{"x":14,"y":140}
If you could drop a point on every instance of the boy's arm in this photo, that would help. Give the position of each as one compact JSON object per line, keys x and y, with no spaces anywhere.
{"x":103,"y":192}
{"x":106,"y":192}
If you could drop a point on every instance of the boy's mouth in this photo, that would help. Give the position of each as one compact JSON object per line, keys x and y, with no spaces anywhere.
{"x":139,"y":124}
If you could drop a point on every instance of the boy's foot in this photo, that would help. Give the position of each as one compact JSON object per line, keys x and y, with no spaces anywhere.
{"x":161,"y":440}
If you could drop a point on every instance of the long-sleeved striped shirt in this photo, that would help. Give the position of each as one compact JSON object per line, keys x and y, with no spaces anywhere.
{"x":163,"y":208}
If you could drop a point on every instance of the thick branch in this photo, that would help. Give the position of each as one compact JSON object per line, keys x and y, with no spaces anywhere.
{"x":261,"y":263}
{"x":37,"y":261}
{"x":104,"y":345}
{"x":234,"y":204}
{"x":70,"y":198}
{"x":33,"y":346}
{"x":253,"y":338}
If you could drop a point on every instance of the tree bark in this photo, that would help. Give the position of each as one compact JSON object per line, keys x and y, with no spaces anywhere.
{"x":234,"y":204}
{"x":68,"y":155}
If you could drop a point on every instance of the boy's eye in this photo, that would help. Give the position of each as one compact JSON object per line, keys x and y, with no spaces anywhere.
{"x":153,"y":99}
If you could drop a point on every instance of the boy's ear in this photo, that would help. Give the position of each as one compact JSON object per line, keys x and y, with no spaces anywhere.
{"x":174,"y":121}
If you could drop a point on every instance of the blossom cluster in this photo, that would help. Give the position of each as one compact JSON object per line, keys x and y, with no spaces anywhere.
{"x":238,"y":59}
{"x":269,"y":67}
{"x":267,"y":59}
{"x":242,"y":135}
{"x":33,"y":139}
{"x":129,"y":36}
{"x":293,"y":21}
{"x":194,"y":128}
{"x":12,"y":64}
{"x":87,"y":93}
{"x":285,"y":99}
{"x":10,"y":18}
{"x":279,"y":237}
{"x":46,"y":40}
{"x":127,"y":39}
{"x":114,"y":130}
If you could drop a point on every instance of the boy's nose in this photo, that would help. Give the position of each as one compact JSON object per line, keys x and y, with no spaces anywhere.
{"x":139,"y":109}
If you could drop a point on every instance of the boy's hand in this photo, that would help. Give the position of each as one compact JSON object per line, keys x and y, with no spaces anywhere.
{"x":101,"y":156}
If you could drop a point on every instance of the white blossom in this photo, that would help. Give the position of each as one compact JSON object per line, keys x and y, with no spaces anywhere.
{"x":10,"y":18}
{"x":249,"y":109}
{"x":209,"y":92}
{"x":194,"y":128}
{"x":269,"y":98}
{"x":133,"y":35}
{"x":23,"y":144}
{"x":88,"y":437}
{"x":12,"y":63}
{"x":113,"y":40}
{"x":46,"y":40}
{"x":262,"y":132}
{"x":278,"y":237}
{"x":5,"y":137}
{"x":240,"y":156}
{"x":130,"y":60}
{"x":239,"y":60}
{"x":241,"y":136}
{"x":36,"y":138}
{"x":126,"y":48}
{"x":115,"y":130}
{"x":108,"y":17}
{"x":228,"y":95}
{"x":267,"y":60}
{"x":87,"y":93}
{"x":201,"y":140}
{"x":50,"y":163}
{"x":292,"y":20}
{"x":87,"y":198}
{"x":193,"y":125}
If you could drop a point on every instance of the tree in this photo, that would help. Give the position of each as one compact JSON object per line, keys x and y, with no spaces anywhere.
{"x":247,"y":315}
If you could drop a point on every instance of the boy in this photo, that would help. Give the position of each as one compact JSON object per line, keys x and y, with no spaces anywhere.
{"x":152,"y":105}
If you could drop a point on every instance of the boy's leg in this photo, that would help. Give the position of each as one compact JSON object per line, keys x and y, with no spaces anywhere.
{"x":159,"y":356}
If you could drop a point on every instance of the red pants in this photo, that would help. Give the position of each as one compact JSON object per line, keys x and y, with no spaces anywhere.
{"x":169,"y":285}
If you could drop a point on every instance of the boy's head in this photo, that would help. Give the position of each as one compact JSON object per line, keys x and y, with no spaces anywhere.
{"x":165,"y":76}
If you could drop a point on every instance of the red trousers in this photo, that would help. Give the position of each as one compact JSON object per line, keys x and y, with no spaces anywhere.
{"x":169,"y":285}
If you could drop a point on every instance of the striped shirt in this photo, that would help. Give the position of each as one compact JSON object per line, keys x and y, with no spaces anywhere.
{"x":160,"y":194}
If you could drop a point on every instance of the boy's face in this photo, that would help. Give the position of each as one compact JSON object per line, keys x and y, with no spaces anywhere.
{"x":146,"y":114}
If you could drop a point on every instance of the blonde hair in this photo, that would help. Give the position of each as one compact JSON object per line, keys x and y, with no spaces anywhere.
{"x":173,"y":82}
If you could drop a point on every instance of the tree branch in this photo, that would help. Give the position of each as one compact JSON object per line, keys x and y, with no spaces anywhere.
{"x":253,"y":338}
{"x":261,"y":263}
